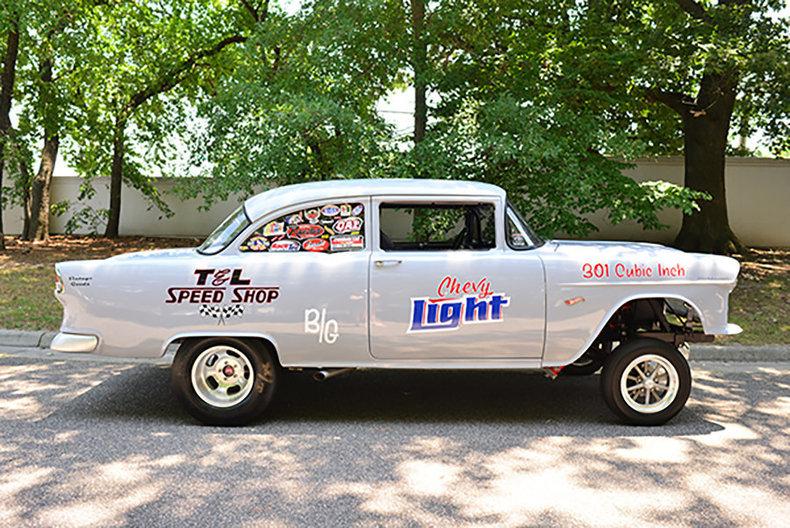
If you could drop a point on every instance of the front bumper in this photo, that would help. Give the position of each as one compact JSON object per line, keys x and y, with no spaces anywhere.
{"x":75,"y":343}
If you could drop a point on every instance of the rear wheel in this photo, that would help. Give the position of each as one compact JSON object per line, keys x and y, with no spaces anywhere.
{"x":224,"y":381}
{"x":646,"y":382}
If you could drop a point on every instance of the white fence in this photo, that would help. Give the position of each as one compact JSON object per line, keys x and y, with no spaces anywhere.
{"x":758,"y":196}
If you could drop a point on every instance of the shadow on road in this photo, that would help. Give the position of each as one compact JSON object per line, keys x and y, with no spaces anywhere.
{"x":568,"y":406}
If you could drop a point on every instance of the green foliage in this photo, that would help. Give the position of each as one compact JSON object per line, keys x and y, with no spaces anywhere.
{"x":548,"y":99}
{"x":299,"y":103}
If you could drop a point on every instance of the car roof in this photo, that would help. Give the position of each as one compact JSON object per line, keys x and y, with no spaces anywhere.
{"x":280,"y":197}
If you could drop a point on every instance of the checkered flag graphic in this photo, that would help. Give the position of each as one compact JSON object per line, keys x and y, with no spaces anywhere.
{"x":221,"y":313}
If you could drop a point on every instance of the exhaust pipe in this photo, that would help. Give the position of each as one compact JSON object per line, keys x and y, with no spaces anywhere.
{"x":322,"y":375}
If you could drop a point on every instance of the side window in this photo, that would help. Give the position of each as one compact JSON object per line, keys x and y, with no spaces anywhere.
{"x":437,"y":227}
{"x":330,"y":228}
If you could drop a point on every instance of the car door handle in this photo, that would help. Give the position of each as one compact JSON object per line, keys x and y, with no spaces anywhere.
{"x":386,"y":263}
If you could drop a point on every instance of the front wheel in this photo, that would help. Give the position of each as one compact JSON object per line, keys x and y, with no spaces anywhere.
{"x":224,"y":381}
{"x":646,"y":382}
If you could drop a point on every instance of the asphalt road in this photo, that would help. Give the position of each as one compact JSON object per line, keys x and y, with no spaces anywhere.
{"x":87,"y":443}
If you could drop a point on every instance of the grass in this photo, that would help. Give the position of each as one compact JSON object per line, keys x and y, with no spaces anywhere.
{"x":760,"y":304}
{"x":27,"y":274}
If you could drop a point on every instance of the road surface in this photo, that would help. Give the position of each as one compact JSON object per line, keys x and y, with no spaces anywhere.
{"x":89,"y":443}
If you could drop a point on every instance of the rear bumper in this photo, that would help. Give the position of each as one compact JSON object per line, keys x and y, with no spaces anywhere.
{"x":75,"y":343}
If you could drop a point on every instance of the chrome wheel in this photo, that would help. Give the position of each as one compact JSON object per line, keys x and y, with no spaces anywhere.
{"x":222,"y":376}
{"x":649,"y":384}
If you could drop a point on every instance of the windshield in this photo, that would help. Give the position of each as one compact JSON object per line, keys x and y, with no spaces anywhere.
{"x":518,"y":233}
{"x":225,"y":232}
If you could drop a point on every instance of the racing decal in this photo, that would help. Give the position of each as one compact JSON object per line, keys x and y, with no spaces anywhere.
{"x":285,"y":245}
{"x":312,"y":215}
{"x":257,"y":243}
{"x":226,"y":286}
{"x":316,"y":244}
{"x":327,"y":229}
{"x":621,"y":270}
{"x":304,"y":231}
{"x":274,"y":228}
{"x":316,"y":323}
{"x":348,"y":225}
{"x":347,"y":242}
{"x":330,"y":210}
{"x":294,"y":219}
{"x":221,"y":313}
{"x":457,"y":303}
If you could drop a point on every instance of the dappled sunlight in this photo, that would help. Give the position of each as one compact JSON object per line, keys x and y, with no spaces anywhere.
{"x":390,"y":449}
{"x":30,"y":391}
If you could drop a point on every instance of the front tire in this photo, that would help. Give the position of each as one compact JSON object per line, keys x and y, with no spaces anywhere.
{"x":646,"y":382}
{"x":224,"y":381}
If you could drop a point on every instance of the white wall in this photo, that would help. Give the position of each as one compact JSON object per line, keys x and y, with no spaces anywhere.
{"x":758,"y":196}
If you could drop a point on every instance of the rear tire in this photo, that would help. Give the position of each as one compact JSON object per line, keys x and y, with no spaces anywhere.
{"x":224,"y":381}
{"x":646,"y":382}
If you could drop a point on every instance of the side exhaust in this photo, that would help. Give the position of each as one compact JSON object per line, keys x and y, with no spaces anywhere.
{"x":322,"y":375}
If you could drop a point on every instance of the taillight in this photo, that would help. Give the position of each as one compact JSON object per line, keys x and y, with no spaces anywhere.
{"x":58,"y":282}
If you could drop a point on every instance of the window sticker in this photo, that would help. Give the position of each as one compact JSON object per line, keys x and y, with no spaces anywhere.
{"x":348,"y":225}
{"x":303,"y":231}
{"x":274,"y":228}
{"x":332,"y":228}
{"x":285,"y":245}
{"x":316,"y":244}
{"x":330,"y":210}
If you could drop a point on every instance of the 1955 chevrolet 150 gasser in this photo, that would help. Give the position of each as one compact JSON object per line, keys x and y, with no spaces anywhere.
{"x":407,"y":274}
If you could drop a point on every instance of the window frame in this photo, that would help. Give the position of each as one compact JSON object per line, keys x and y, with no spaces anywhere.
{"x":447,"y":200}
{"x":300,"y":206}
{"x":232,"y":241}
{"x":533,"y":240}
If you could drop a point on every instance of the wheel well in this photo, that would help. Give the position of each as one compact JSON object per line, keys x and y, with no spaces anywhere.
{"x":253,"y":340}
{"x":664,"y":318}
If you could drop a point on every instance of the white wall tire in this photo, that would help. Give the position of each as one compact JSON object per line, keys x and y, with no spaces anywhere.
{"x":646,"y":382}
{"x":224,"y":381}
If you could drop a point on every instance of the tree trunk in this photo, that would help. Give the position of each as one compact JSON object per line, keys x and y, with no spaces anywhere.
{"x":38,"y":226}
{"x":7,"y":79}
{"x":116,"y":179}
{"x":705,"y":130}
{"x":419,"y":61}
{"x":38,"y":230}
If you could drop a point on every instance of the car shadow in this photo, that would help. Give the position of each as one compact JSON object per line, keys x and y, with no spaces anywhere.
{"x":427,"y":401}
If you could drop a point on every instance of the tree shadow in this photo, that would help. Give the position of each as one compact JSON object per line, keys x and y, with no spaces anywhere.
{"x":424,"y":401}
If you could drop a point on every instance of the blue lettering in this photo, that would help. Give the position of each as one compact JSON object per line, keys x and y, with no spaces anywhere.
{"x":429,"y":315}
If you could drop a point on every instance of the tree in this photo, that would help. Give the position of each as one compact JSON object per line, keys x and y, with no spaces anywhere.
{"x":419,"y":68}
{"x":507,"y":114}
{"x":298,"y":102}
{"x":140,"y":51}
{"x":705,"y":64}
{"x":10,"y":29}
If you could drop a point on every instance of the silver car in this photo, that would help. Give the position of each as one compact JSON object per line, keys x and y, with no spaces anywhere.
{"x":397,"y":274}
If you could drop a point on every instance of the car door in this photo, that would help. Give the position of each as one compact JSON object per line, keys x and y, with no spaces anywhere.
{"x":317,"y":257}
{"x":442,"y":286}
